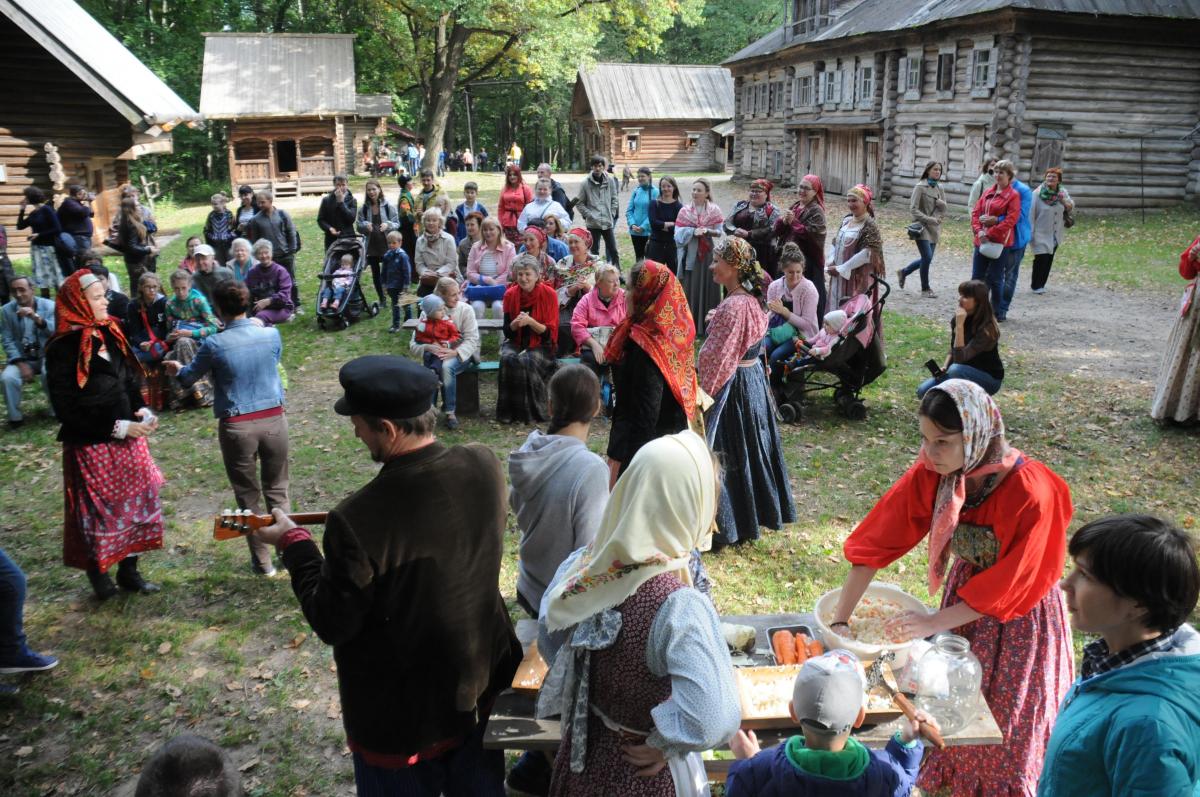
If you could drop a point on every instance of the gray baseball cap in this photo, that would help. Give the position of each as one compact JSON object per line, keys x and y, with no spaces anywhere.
{"x":829,"y":691}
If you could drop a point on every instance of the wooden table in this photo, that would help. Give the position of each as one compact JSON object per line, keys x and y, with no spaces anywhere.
{"x":514,"y":726}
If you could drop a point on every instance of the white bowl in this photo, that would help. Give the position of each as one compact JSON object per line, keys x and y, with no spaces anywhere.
{"x":828,"y":602}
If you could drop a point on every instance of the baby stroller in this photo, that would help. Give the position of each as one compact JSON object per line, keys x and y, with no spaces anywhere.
{"x":354,"y":304}
{"x":855,"y":361}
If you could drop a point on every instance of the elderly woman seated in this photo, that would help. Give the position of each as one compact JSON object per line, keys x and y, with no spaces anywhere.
{"x":240,"y":259}
{"x":596,"y":316}
{"x":527,"y":356}
{"x":190,"y":319}
{"x":436,"y":255}
{"x":270,"y":287}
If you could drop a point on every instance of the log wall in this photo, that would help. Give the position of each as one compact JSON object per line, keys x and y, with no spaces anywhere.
{"x":663,"y":146}
{"x":41,"y":102}
{"x":252,"y":154}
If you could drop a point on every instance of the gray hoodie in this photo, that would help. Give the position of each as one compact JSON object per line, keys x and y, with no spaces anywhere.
{"x":559,"y":491}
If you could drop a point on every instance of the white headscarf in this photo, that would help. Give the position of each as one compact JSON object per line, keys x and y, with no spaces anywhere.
{"x":657,"y":514}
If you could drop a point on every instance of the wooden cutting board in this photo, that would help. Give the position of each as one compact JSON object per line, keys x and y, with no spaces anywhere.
{"x":764,"y":693}
{"x":531,"y":671}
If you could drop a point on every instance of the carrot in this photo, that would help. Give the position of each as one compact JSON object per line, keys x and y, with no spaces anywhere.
{"x":815,"y":648}
{"x":785,"y":653}
{"x":801,"y":648}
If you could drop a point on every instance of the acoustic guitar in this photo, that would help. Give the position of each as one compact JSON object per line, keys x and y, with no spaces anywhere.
{"x":233,"y":523}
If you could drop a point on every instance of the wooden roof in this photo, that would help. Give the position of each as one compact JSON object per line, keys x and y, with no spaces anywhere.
{"x":263,"y":75}
{"x":883,"y":16}
{"x":373,"y":105}
{"x":77,"y":40}
{"x":656,"y":91}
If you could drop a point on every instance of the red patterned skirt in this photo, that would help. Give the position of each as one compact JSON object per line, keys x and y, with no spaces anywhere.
{"x":111,"y":508}
{"x":1028,"y":665}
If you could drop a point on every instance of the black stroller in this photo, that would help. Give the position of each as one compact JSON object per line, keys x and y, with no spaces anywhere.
{"x":851,"y":364}
{"x":353,"y":305}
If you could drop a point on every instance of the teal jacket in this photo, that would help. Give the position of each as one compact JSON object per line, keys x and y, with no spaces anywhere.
{"x":638,"y":210}
{"x":1131,"y":732}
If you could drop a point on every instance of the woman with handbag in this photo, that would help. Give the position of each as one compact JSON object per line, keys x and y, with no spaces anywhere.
{"x":992,"y":220}
{"x":1050,"y":217}
{"x":928,"y":206}
{"x":1177,"y":397}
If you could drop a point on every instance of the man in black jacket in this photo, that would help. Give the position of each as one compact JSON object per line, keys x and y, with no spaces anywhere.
{"x":338,"y":211}
{"x":408,"y":592}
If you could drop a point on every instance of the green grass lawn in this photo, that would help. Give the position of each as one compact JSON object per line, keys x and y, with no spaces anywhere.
{"x":228,"y":655}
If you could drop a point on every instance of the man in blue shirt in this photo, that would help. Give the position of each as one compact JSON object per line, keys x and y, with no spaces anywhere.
{"x":1021,"y":235}
{"x":26,"y":325}
{"x":243,"y":360}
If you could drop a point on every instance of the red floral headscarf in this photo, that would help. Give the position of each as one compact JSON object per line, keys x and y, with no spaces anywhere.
{"x":661,"y":324}
{"x":72,"y":313}
{"x":818,"y":187}
{"x":582,"y":233}
{"x":537,"y":232}
{"x":864,"y":193}
{"x":764,"y":184}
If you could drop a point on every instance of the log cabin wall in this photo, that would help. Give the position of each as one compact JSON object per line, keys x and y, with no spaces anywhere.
{"x":358,"y":132}
{"x":254,"y":152}
{"x":674,"y":146}
{"x":41,"y":101}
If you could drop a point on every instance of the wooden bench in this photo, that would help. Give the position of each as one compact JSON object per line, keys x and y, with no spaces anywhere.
{"x":485,"y":324}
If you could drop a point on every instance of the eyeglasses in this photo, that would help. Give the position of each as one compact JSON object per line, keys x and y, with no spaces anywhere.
{"x":991,"y":171}
{"x":804,"y":189}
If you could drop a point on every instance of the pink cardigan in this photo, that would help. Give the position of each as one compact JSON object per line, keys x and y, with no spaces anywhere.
{"x":505,"y":255}
{"x":804,"y":305}
{"x":591,"y":312}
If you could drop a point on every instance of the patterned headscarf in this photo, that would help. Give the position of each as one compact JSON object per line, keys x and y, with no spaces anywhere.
{"x":538,"y":233}
{"x":583,"y":234}
{"x":985,"y":454}
{"x":818,"y":188}
{"x":738,"y":253}
{"x":764,"y":184}
{"x":661,"y":324}
{"x":864,"y":193}
{"x":73,"y":312}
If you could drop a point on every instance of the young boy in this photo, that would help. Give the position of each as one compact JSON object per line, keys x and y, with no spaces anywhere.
{"x":435,"y":327}
{"x":1130,"y":723}
{"x":220,"y":228}
{"x":397,"y":274}
{"x":334,"y":293}
{"x":827,"y":701}
{"x":470,"y":204}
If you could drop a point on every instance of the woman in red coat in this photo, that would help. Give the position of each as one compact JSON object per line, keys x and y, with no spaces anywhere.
{"x":993,"y":219}
{"x":514,"y":196}
{"x":1004,"y":516}
{"x":1177,"y":397}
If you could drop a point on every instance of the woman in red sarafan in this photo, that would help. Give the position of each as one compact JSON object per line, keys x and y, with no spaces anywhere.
{"x":112,"y":509}
{"x":1177,"y":397}
{"x":1004,"y":516}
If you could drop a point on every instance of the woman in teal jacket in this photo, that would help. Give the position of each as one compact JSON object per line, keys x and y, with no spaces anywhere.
{"x":637,"y":212}
{"x":1130,"y":725}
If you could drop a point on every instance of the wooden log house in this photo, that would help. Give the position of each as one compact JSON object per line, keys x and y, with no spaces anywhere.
{"x":872,"y":91}
{"x":370,"y":121}
{"x":287,"y":98}
{"x":657,"y":115}
{"x":72,"y":92}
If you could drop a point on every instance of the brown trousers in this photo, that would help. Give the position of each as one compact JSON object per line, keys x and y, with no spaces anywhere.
{"x":245,"y":447}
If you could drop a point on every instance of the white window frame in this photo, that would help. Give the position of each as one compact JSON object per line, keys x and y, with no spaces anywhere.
{"x":950,"y":49}
{"x":831,"y":86}
{"x":748,"y":100}
{"x":691,"y":140}
{"x":628,"y":133}
{"x":982,"y":85}
{"x":798,"y":98}
{"x":864,"y":88}
{"x":849,"y":76}
{"x":912,"y":73}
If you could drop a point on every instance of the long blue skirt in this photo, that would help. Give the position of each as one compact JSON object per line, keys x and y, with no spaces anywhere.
{"x":741,"y":428}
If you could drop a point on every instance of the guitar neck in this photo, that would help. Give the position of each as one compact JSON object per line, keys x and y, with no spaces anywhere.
{"x":308,"y":518}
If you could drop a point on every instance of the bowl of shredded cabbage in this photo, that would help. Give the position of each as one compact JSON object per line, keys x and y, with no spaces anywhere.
{"x":869,"y":634}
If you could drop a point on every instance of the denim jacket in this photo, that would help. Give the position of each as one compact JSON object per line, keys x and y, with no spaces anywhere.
{"x":244,"y":363}
{"x":17,"y":332}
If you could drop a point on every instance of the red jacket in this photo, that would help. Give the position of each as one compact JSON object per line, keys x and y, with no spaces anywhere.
{"x":512,"y":201}
{"x":1005,"y":204}
{"x":1188,"y":268}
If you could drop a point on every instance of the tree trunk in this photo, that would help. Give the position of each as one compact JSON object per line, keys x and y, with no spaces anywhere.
{"x":448,"y":50}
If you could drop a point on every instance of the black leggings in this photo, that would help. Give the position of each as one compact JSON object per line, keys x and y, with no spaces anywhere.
{"x":639,"y":246}
{"x":1041,"y":270}
{"x":376,"y":263}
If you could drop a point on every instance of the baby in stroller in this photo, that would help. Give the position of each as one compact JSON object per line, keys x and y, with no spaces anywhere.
{"x":820,"y":344}
{"x":338,"y":288}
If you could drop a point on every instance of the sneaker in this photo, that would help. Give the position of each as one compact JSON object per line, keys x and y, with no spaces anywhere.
{"x":901,"y":277}
{"x":531,"y":774}
{"x":451,"y":423}
{"x":1001,"y":318}
{"x":27,"y":661}
{"x":928,"y":294}
{"x":269,"y":571}
{"x":14,"y":425}
{"x":393,"y":328}
{"x":1039,"y":291}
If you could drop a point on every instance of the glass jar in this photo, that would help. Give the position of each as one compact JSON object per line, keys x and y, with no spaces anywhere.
{"x":948,"y":680}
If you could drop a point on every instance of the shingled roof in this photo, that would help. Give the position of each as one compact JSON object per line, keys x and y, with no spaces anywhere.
{"x":657,"y":91}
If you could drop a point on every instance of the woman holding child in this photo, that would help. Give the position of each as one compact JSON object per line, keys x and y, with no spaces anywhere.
{"x":639,"y":671}
{"x":527,"y":355}
{"x":1005,"y":517}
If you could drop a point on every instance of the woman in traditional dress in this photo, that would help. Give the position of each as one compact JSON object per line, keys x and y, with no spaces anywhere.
{"x":574,"y":276}
{"x":1177,"y":397}
{"x":514,"y":196}
{"x":740,"y":425}
{"x":857,"y":251}
{"x":663,"y":212}
{"x":640,"y":673}
{"x":696,"y":227}
{"x":804,"y":225}
{"x":112,"y":511}
{"x":654,"y":372}
{"x":528,"y":354}
{"x":1005,"y":517}
{"x":535,"y":239}
{"x":754,"y":219}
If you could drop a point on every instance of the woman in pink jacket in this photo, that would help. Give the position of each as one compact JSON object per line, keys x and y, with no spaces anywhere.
{"x":595,"y":317}
{"x":488,"y":263}
{"x":993,"y":219}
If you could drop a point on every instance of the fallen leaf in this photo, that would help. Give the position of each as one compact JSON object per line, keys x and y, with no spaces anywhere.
{"x":24,"y":752}
{"x":334,"y":711}
{"x":234,"y":686}
{"x":300,"y":705}
{"x":198,"y":673}
{"x":164,"y":648}
{"x":249,"y":765}
{"x":147,"y":672}
{"x":297,"y":640}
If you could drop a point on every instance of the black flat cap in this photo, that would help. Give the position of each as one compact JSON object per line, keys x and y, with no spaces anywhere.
{"x":385,"y":386}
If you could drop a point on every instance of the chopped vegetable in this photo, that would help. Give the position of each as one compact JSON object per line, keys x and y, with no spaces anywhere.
{"x":801,"y":648}
{"x":815,"y":648}
{"x":784,"y":647}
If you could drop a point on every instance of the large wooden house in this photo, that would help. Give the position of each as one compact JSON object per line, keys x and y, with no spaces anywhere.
{"x":657,"y":115}
{"x":75,"y":107}
{"x":293,"y":113}
{"x":871,"y":91}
